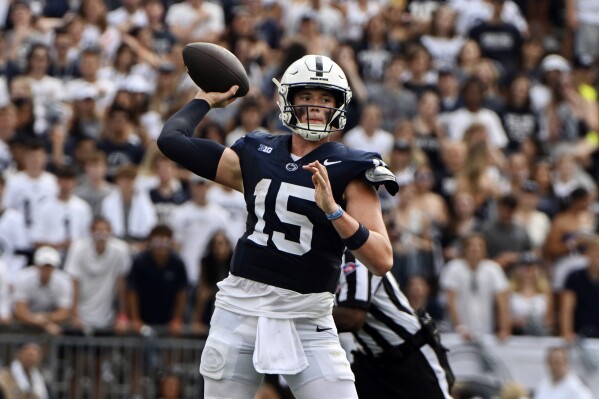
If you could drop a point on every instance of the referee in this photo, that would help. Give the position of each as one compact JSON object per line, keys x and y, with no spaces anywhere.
{"x":400,"y":355}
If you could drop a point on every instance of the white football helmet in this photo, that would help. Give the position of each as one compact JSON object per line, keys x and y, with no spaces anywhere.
{"x":316,"y":72}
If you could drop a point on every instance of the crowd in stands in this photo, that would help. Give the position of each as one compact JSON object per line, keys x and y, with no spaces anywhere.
{"x":485,"y":110}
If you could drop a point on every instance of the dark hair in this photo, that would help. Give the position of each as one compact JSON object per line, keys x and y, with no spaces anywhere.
{"x":99,"y":219}
{"x":509,"y":201}
{"x":161,"y":230}
{"x":66,"y":172}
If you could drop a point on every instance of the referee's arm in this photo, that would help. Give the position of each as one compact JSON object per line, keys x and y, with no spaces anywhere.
{"x":348,"y":319}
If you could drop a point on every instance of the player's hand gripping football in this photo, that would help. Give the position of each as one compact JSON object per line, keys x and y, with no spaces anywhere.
{"x":218,"y":100}
{"x":323,"y":194}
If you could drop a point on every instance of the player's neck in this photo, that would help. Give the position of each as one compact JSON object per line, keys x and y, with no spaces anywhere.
{"x":301,"y":147}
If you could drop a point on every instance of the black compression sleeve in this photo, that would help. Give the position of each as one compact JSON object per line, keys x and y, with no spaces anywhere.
{"x":200,"y":156}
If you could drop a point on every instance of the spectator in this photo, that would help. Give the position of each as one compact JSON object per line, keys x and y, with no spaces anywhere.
{"x":519,"y":120}
{"x":442,"y":42}
{"x":171,"y":387}
{"x":64,"y":218}
{"x":374,"y":50}
{"x":458,"y":121}
{"x":157,"y":284}
{"x":233,"y":203}
{"x":531,"y":299}
{"x":8,"y":124}
{"x":86,"y":122}
{"x":120,"y":141}
{"x":448,"y":87}
{"x":368,"y":135}
{"x":568,"y":175}
{"x":215,"y":267}
{"x":499,"y":40}
{"x":541,"y":174}
{"x":471,"y":12}
{"x":428,"y":130}
{"x":131,"y":14}
{"x":468,"y":58}
{"x":420,"y":76}
{"x":168,"y":195}
{"x":98,"y":265}
{"x":462,"y":223}
{"x":249,"y":118}
{"x":536,"y":223}
{"x":14,"y":238}
{"x":561,"y":382}
{"x":422,"y":300}
{"x":569,"y":231}
{"x":429,"y":201}
{"x":196,"y":21}
{"x":162,"y":38}
{"x":506,"y":240}
{"x":23,"y":379}
{"x":28,"y":189}
{"x":410,"y":232}
{"x":89,"y":64}
{"x":396,"y":103}
{"x":578,"y":313}
{"x":94,"y":187}
{"x":582,"y":18}
{"x":63,"y":64}
{"x":129,"y":211}
{"x":475,"y":286}
{"x":199,"y":219}
{"x":43,"y":294}
{"x":47,"y":91}
{"x":489,"y":72}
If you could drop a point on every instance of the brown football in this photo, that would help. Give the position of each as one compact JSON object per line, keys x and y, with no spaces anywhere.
{"x":214,"y":68}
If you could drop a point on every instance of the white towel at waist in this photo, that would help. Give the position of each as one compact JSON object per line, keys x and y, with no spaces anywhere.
{"x":278,"y":347}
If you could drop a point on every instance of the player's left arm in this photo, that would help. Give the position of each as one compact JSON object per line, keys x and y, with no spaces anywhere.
{"x":364,"y":207}
{"x":361,"y":225}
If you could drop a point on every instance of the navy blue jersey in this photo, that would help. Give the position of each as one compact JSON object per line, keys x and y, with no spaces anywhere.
{"x":289,"y":242}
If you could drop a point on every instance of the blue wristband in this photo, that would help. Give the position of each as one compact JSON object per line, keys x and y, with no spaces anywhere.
{"x":335,"y":215}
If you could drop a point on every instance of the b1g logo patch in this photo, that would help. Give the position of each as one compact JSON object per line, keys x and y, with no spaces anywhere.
{"x":264,"y":148}
{"x":349,"y":268}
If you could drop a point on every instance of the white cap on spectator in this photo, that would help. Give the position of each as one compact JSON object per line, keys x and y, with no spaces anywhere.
{"x":136,"y":84}
{"x":554,"y":62}
{"x":46,"y":255}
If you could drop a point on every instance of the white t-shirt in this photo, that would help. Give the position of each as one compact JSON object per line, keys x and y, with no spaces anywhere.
{"x":587,"y":11}
{"x":443,"y":50}
{"x":58,"y":293}
{"x":59,"y":221}
{"x":472,"y":12}
{"x":476,"y":290}
{"x":13,"y":236}
{"x":26,"y":194}
{"x":525,"y":307}
{"x":184,"y":15}
{"x":97,"y":275}
{"x":194,"y":225}
{"x":233,"y":202}
{"x":121,"y":15}
{"x":458,"y":121}
{"x":569,"y":387}
{"x":381,"y":141}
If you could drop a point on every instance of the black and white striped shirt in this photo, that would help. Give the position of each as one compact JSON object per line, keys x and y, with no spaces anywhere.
{"x":390,"y":320}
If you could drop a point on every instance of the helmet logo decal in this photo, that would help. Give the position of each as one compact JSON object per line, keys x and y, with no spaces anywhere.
{"x":292,"y":167}
{"x":319,"y":65}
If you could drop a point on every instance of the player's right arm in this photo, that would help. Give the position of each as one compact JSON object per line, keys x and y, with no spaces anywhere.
{"x":203,"y":157}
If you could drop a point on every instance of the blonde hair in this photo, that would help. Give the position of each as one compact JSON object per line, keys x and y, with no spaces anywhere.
{"x":541,"y":284}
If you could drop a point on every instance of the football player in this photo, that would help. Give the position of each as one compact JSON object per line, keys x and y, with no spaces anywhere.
{"x":308,"y":198}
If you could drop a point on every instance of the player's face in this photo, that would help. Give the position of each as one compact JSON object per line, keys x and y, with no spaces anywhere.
{"x":314,"y":106}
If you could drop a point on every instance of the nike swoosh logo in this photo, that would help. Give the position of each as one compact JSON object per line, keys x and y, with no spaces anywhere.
{"x":327,"y":162}
{"x":318,"y":329}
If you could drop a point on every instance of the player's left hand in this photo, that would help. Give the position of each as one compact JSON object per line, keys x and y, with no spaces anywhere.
{"x":323,"y":194}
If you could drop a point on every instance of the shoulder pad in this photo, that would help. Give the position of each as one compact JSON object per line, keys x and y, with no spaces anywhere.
{"x":382,"y":175}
